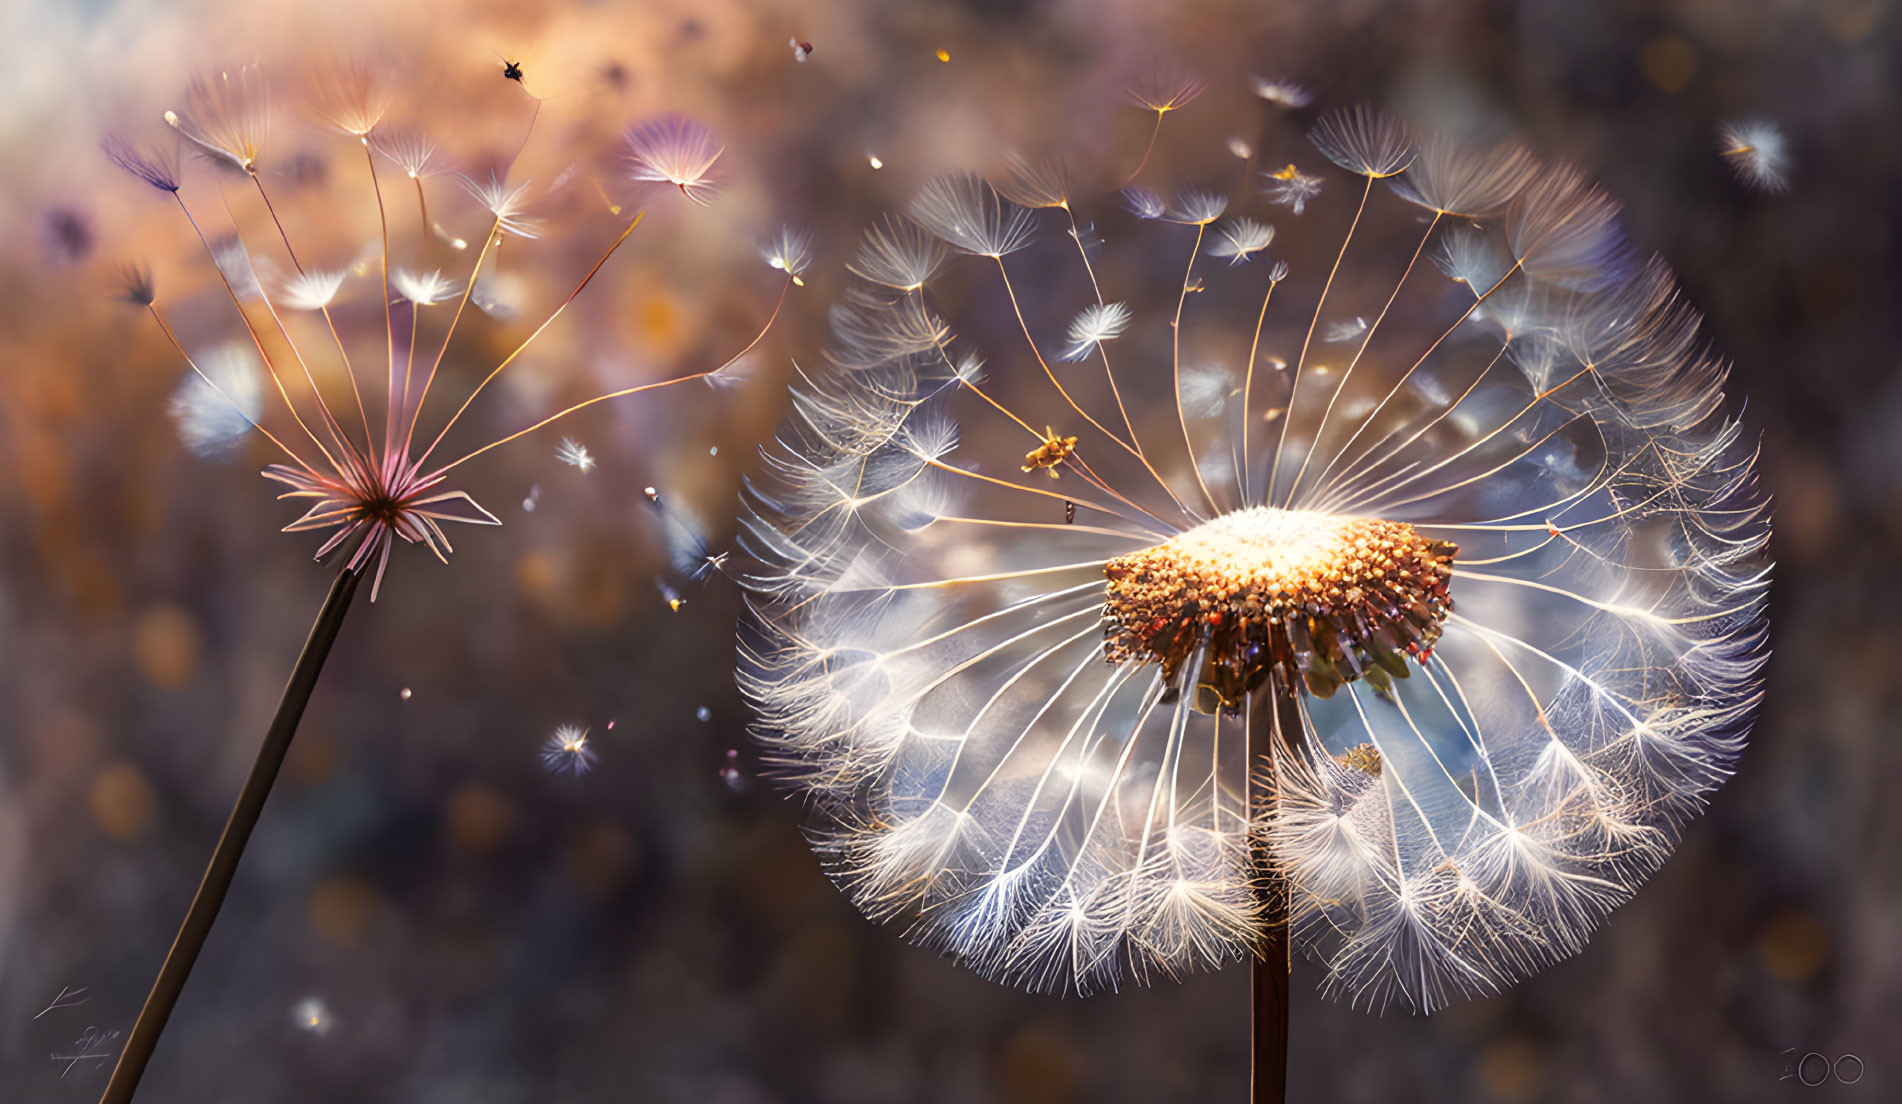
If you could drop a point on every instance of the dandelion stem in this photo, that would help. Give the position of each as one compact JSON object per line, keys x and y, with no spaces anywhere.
{"x":1147,"y":150}
{"x":224,"y":858}
{"x":1268,"y":986}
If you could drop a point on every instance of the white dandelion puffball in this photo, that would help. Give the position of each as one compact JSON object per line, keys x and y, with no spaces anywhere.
{"x":1426,"y":600}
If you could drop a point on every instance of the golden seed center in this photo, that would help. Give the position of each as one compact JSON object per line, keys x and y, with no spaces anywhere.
{"x":1325,"y":600}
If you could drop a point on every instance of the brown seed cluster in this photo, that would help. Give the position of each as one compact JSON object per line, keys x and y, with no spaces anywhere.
{"x":1325,"y":600}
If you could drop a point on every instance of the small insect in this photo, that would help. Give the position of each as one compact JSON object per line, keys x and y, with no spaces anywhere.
{"x":1069,"y":513}
{"x":652,"y":493}
{"x":800,"y":50}
{"x":1048,"y":455}
{"x":875,"y":160}
{"x":567,"y":750}
{"x":512,"y":70}
{"x":944,"y":55}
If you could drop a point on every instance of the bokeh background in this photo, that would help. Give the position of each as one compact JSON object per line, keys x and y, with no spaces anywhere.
{"x":477,"y":930}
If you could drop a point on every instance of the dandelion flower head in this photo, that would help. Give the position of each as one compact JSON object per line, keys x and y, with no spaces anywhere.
{"x":1396,"y":531}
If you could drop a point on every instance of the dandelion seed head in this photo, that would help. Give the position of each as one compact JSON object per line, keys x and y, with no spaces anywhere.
{"x":367,"y":488}
{"x":1494,"y":559}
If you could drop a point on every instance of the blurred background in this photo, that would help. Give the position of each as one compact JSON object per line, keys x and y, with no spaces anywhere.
{"x":426,"y":914}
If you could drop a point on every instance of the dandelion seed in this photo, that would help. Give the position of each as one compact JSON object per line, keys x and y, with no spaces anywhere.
{"x":1285,"y":94}
{"x":789,"y":251}
{"x":218,"y":403}
{"x":969,"y":215}
{"x":1362,"y":140}
{"x":1145,"y":203}
{"x":1165,"y":92}
{"x":1337,"y":332}
{"x":139,"y":287}
{"x":567,"y":750}
{"x":227,"y":116}
{"x":311,"y":290}
{"x":1093,"y":325}
{"x":409,"y":150}
{"x":1198,"y":208}
{"x":675,"y":150}
{"x":157,"y":167}
{"x":312,"y":1015}
{"x":575,"y":454}
{"x":1291,"y":188}
{"x":1240,"y":149}
{"x":1757,"y":152}
{"x":1241,"y":239}
{"x":1040,"y":184}
{"x":353,"y":97}
{"x":1441,"y":648}
{"x":669,"y":595}
{"x":506,"y":204}
{"x":423,"y":289}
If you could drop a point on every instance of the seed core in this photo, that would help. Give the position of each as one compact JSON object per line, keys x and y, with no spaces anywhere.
{"x":1324,"y":600}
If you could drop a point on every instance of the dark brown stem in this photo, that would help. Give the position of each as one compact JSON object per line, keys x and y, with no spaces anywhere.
{"x":1268,"y":990}
{"x":224,"y":859}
